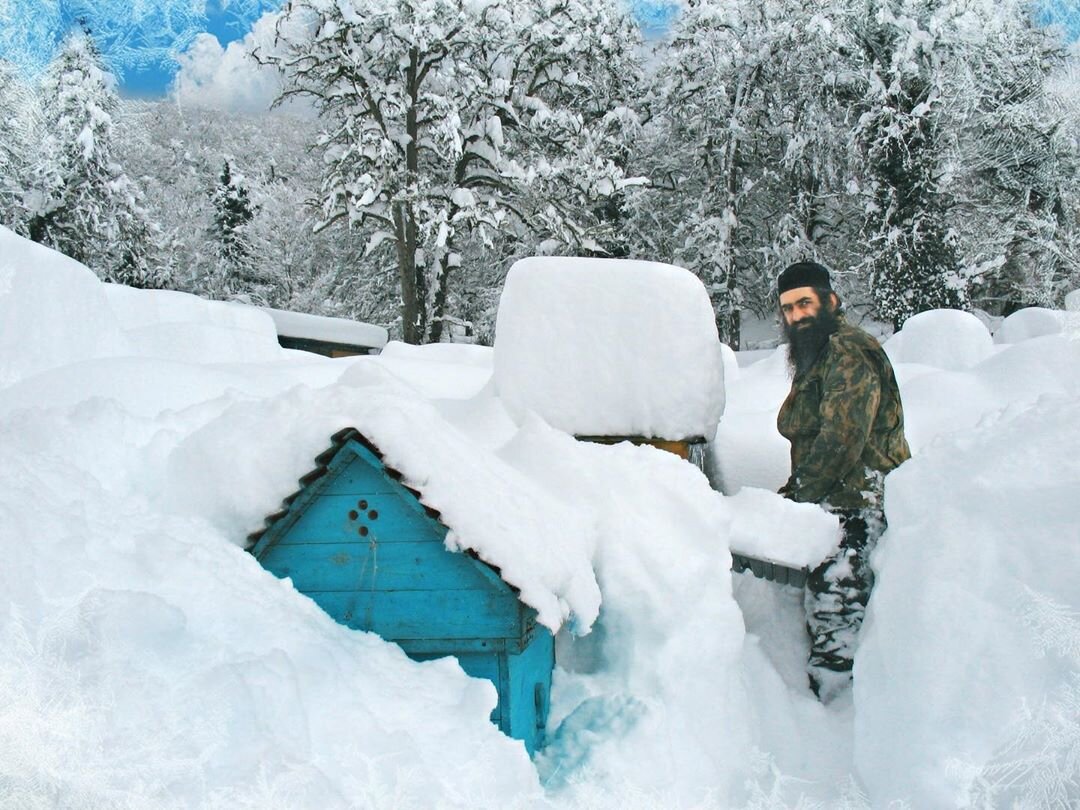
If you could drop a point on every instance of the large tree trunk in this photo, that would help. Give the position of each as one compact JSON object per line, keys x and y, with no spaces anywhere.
{"x":413,"y":278}
{"x":444,"y":266}
{"x":412,"y":303}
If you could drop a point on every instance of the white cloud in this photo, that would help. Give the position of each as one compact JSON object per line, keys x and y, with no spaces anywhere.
{"x":229,"y":78}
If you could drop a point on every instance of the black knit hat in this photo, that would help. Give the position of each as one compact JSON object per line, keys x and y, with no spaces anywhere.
{"x":803,"y":274}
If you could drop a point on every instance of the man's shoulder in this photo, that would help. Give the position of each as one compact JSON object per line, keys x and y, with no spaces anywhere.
{"x":850,"y":338}
{"x":849,"y":335}
{"x":850,"y":344}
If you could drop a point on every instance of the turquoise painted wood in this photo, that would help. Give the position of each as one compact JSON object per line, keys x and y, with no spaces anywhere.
{"x":367,"y":551}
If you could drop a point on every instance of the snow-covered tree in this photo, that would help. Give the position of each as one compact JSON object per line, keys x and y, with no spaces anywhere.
{"x":82,"y":203}
{"x":746,"y":144}
{"x":232,"y":214}
{"x":911,"y":255}
{"x":1016,"y":163}
{"x":448,"y":122}
{"x":961,"y":157}
{"x":17,"y":124}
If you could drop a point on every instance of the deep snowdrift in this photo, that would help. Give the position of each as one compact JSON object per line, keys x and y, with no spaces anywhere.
{"x":150,"y":662}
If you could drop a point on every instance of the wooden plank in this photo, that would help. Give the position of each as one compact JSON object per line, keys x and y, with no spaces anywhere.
{"x":362,"y":476}
{"x":382,"y":516}
{"x":768,"y":569}
{"x":530,"y":690}
{"x":361,"y":566}
{"x":397,"y":615}
{"x":456,"y":646}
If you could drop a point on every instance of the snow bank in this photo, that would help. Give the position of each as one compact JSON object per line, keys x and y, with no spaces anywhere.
{"x":610,"y":348}
{"x":957,"y":661}
{"x":1072,"y":301}
{"x":236,"y":469}
{"x":177,"y":326}
{"x":53,"y":311}
{"x":149,"y":661}
{"x":439,"y":370}
{"x":942,"y":338}
{"x":747,"y":450}
{"x":1034,"y":322}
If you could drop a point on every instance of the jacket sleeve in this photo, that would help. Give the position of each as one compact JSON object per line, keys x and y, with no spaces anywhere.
{"x":851,"y":391}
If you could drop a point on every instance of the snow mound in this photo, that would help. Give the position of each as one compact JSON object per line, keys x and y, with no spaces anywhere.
{"x":53,"y":311}
{"x":604,"y":347}
{"x":437,"y":370}
{"x":943,"y":338}
{"x":236,"y":469}
{"x":770,"y":527}
{"x":1033,"y":322}
{"x":171,"y":325}
{"x":958,"y":649}
{"x":1072,"y":301}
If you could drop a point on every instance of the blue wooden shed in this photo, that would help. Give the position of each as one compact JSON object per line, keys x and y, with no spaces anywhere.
{"x":363,"y":546}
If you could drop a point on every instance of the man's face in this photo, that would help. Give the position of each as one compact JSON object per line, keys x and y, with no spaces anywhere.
{"x":799,"y":307}
{"x":808,"y":322}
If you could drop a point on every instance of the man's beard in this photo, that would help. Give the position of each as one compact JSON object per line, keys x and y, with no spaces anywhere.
{"x":807,"y":339}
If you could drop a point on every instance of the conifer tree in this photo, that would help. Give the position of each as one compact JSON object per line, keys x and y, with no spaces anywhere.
{"x":82,"y":203}
{"x":233,"y":213}
{"x":17,"y":114}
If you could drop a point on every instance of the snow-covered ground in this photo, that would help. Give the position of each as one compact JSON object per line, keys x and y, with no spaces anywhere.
{"x":149,"y":662}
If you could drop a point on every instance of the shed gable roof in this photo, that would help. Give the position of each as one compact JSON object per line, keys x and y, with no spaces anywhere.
{"x":274,"y":523}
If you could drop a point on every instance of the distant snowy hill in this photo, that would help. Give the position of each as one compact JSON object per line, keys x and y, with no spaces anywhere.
{"x":151,"y":663}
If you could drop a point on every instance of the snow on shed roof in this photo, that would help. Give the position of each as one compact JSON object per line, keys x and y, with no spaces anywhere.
{"x":610,"y":347}
{"x":541,"y":545}
{"x":326,"y":329}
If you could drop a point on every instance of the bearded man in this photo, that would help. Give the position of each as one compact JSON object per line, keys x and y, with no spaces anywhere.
{"x":845,"y":422}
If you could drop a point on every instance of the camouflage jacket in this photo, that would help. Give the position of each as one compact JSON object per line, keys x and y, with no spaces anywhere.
{"x":845,"y":422}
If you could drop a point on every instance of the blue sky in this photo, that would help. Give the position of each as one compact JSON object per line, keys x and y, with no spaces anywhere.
{"x":141,"y":46}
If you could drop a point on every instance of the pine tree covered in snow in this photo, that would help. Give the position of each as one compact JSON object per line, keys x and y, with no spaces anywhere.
{"x":1016,"y":164}
{"x":81,"y":202}
{"x":448,"y":123}
{"x":18,"y":107}
{"x":232,"y":214}
{"x":238,"y":270}
{"x":911,"y":258}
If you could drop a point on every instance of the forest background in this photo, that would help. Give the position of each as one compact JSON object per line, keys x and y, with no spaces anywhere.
{"x":925,"y":150}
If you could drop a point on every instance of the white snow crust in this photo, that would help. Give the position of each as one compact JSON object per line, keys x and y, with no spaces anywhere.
{"x":942,"y":338}
{"x":150,"y":662}
{"x":1032,"y":322}
{"x":322,"y":327}
{"x":177,"y":326}
{"x":607,"y":347}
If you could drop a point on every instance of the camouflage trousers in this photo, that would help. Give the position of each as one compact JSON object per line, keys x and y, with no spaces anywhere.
{"x":836,"y":595}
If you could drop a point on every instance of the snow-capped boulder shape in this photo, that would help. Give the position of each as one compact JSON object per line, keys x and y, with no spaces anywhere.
{"x":942,"y":338}
{"x":1072,"y":301}
{"x":52,"y":311}
{"x":608,"y":347}
{"x":178,"y":326}
{"x":1033,"y":322}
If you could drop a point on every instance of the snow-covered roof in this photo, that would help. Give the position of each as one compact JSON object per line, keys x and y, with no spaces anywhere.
{"x":609,"y":347}
{"x":541,"y":545}
{"x":327,"y":329}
